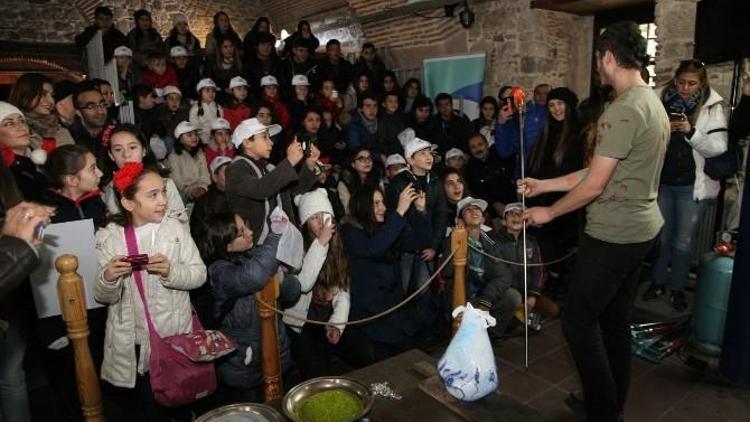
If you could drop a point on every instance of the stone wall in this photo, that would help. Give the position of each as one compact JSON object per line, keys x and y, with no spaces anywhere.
{"x":60,"y":20}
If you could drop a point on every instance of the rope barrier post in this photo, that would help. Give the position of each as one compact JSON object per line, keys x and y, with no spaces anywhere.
{"x":269,"y":340}
{"x":460,"y":249}
{"x":72,"y":299}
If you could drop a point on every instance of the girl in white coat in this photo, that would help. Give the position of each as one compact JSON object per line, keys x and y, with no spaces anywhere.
{"x":206,"y":110}
{"x":324,"y":279}
{"x":699,"y":131}
{"x":174,"y":267}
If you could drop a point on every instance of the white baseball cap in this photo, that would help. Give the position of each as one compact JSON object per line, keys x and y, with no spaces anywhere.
{"x":220,"y":124}
{"x":454,"y":153}
{"x":205,"y":83}
{"x":183,"y":128}
{"x":513,"y":206}
{"x":123,"y":51}
{"x":300,"y":80}
{"x":415,"y":145}
{"x":237,"y":81}
{"x":171,"y":89}
{"x":394,"y":159}
{"x":178,"y":51}
{"x":469,"y":202}
{"x":250,"y":127}
{"x":268,"y":80}
{"x":217,"y":162}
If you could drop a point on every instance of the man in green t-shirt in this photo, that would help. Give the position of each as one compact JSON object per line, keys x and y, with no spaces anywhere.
{"x":619,"y":190}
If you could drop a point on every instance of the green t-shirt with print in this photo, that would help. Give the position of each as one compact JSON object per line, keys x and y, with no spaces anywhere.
{"x":635,"y":130}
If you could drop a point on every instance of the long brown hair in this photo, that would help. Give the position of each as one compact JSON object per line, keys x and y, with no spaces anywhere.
{"x":568,"y":132}
{"x":27,"y":90}
{"x":335,"y":271}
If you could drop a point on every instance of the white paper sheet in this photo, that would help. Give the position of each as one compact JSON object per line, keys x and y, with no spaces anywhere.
{"x":77,"y":238}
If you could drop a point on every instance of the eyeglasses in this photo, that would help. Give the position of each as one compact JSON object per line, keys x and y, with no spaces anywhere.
{"x":364,"y":159}
{"x":93,"y":106}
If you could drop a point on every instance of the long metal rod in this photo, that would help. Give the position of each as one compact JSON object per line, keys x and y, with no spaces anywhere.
{"x":521,"y":118}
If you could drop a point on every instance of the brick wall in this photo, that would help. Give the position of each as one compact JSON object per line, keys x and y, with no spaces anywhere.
{"x":61,"y":20}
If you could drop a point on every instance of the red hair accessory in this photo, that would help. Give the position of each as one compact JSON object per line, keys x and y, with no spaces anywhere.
{"x":106,"y":134}
{"x":127,"y":175}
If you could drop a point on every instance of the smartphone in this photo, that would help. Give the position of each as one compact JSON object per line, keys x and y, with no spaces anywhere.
{"x":334,"y":94}
{"x":307,"y":142}
{"x":39,"y":231}
{"x":508,"y":101}
{"x":677,"y":117}
{"x":326,"y":219}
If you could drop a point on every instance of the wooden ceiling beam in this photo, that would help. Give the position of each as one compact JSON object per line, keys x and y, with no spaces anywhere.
{"x":585,"y":7}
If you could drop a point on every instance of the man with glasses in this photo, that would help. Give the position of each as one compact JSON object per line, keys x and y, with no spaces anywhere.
{"x":91,"y":118}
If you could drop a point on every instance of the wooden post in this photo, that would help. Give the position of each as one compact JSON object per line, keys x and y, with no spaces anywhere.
{"x":269,"y":341}
{"x":72,"y":298}
{"x":460,"y":247}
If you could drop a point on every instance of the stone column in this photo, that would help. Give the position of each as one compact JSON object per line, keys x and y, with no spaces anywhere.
{"x":675,"y":35}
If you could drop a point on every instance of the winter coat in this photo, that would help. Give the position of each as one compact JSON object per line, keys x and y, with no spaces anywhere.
{"x":312,"y":43}
{"x":256,"y":69}
{"x":212,"y":151}
{"x":340,"y":73}
{"x":491,"y":179}
{"x":389,"y":126}
{"x":374,"y":263}
{"x":255,"y":188}
{"x":147,"y":45}
{"x":236,"y":114}
{"x":497,"y":277}
{"x":233,"y":285}
{"x":154,"y":80}
{"x":311,"y":265}
{"x":191,"y":44}
{"x":189,"y":172}
{"x":511,"y":249}
{"x":221,"y":75}
{"x":281,"y":110}
{"x":454,"y":133}
{"x":31,"y":182}
{"x":89,"y":205}
{"x":211,"y":112}
{"x":507,"y":137}
{"x":288,"y":68}
{"x":709,"y":139}
{"x":357,"y":135}
{"x":437,"y":206}
{"x":188,"y":79}
{"x":168,"y":298}
{"x":175,"y":206}
{"x":17,"y":260}
{"x":111,"y":39}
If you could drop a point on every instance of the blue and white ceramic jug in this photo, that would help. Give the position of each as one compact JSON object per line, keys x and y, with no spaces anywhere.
{"x":468,"y":366}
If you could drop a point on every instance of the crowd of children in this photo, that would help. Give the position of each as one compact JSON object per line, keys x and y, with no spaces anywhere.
{"x":323,"y":172}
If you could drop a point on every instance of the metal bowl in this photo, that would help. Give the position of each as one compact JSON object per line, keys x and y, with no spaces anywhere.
{"x":300,"y":392}
{"x":242,"y":412}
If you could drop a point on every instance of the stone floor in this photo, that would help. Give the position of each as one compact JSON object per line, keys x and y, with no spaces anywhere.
{"x":668,"y":391}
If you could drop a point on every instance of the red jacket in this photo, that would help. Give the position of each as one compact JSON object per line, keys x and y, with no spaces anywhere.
{"x":236,"y":114}
{"x":160,"y":81}
{"x":212,"y":153}
{"x":282,"y":112}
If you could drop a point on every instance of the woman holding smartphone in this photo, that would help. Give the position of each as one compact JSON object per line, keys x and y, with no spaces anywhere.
{"x":699,"y":131}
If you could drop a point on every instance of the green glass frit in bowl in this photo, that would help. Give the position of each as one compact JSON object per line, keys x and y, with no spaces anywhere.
{"x":328,"y":399}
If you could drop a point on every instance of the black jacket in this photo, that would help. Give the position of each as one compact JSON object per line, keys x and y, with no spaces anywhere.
{"x":87,"y":206}
{"x":111,"y":39}
{"x":340,"y":73}
{"x":454,"y":133}
{"x":288,"y":68}
{"x":256,"y":70}
{"x":437,"y":207}
{"x":17,"y":260}
{"x":491,"y":179}
{"x":390,"y":125}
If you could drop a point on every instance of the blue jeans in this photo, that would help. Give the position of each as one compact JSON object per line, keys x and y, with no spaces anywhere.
{"x":681,"y":215}
{"x":14,"y":401}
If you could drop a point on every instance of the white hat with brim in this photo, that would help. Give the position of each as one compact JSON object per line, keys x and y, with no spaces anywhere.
{"x":300,"y":80}
{"x":220,"y":124}
{"x":217,"y":162}
{"x":268,"y":80}
{"x":415,"y":145}
{"x":178,"y":51}
{"x":251,"y":127}
{"x":7,"y":109}
{"x":171,"y":89}
{"x":183,"y":128}
{"x":454,"y":153}
{"x":513,"y":206}
{"x":237,"y":82}
{"x":470,"y":202}
{"x":205,"y":83}
{"x":123,"y":51}
{"x":394,"y":159}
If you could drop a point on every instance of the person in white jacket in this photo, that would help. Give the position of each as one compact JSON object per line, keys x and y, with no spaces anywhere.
{"x":174,"y":267}
{"x":699,"y":131}
{"x":324,"y":280}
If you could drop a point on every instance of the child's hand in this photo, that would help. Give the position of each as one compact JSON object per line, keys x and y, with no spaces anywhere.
{"x":312,"y":160}
{"x":116,"y":268}
{"x":407,"y":196}
{"x":326,"y":233}
{"x":421,"y":202}
{"x":333,"y":334}
{"x":294,"y":152}
{"x":428,"y":254}
{"x":158,"y":264}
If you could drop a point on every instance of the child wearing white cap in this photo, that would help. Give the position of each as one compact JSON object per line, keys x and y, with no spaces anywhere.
{"x":186,"y":67}
{"x":270,"y":86}
{"x":205,"y":110}
{"x":237,"y":107}
{"x":220,"y":144}
{"x":256,"y":187}
{"x":171,"y":112}
{"x":187,"y":163}
{"x":181,"y":37}
{"x":455,"y":159}
{"x":300,"y":99}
